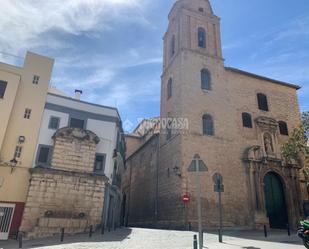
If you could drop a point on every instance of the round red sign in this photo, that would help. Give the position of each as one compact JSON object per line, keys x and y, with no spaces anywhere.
{"x":185,"y":199}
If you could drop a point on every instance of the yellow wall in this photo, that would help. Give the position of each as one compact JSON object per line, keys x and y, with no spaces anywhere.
{"x":28,"y":95}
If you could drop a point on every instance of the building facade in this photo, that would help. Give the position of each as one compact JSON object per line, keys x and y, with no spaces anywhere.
{"x":75,"y":178}
{"x":21,"y":115}
{"x":237,"y":122}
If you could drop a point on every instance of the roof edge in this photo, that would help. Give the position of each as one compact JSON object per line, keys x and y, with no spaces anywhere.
{"x":236,"y":70}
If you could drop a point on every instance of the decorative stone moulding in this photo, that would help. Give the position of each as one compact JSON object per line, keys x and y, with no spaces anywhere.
{"x":76,"y":133}
{"x":266,"y":123}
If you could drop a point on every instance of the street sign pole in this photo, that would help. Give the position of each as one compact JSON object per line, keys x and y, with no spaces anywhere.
{"x":197,"y":165}
{"x":199,"y":208}
{"x":219,"y":188}
{"x":220,"y":217}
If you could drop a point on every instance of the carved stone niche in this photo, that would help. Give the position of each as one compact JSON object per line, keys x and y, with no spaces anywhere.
{"x":268,"y":136}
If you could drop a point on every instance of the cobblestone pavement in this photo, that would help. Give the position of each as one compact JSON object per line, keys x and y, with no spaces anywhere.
{"x":137,"y":238}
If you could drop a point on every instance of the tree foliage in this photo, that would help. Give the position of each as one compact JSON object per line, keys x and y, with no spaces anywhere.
{"x":296,"y":148}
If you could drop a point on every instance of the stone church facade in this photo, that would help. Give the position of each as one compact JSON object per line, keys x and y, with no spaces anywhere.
{"x":237,"y":122}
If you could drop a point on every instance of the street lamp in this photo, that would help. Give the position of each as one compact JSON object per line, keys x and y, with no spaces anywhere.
{"x":13,"y":164}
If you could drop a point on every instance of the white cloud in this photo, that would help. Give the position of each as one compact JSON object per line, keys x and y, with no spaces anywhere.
{"x":25,"y":22}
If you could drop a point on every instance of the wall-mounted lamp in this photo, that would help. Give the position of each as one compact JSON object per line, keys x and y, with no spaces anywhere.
{"x":177,"y":171}
{"x":21,"y":139}
{"x":13,"y":164}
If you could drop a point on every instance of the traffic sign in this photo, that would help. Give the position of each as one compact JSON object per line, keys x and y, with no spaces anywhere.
{"x":217,"y":178}
{"x":202,"y":165}
{"x":219,"y":188}
{"x":186,"y":199}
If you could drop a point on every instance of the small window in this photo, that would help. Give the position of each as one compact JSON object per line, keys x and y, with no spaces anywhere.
{"x":208,"y":125}
{"x":205,"y":80}
{"x":201,"y":37}
{"x":44,"y":155}
{"x":246,"y":120}
{"x":3,"y":85}
{"x":283,"y":127}
{"x":169,"y":88}
{"x":173,"y":46}
{"x":99,"y":164}
{"x":200,"y":9}
{"x":36,"y":79}
{"x":18,"y":151}
{"x":27,"y":113}
{"x":77,"y":123}
{"x":262,"y":102}
{"x":54,"y":123}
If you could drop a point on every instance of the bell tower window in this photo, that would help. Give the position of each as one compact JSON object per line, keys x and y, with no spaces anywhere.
{"x":205,"y":79}
{"x":169,"y":88}
{"x":201,"y":33}
{"x":172,"y":51}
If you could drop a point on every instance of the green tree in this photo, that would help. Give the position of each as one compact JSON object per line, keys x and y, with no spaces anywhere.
{"x":296,"y":148}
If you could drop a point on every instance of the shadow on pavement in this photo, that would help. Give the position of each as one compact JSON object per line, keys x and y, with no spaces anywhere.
{"x":274,"y":235}
{"x":114,"y":236}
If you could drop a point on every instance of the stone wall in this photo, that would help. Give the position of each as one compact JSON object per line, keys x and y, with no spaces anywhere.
{"x":139,"y":185}
{"x":66,"y":195}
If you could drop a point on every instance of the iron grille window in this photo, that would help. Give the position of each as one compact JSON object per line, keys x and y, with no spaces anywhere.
{"x":44,"y":155}
{"x":54,"y":123}
{"x":205,"y":80}
{"x":36,"y":79}
{"x":208,"y":125}
{"x":3,"y":85}
{"x":262,"y":102}
{"x":18,"y":151}
{"x":201,"y":33}
{"x":27,"y":113}
{"x":246,"y":120}
{"x":99,"y":164}
{"x":283,"y":127}
{"x":77,"y":123}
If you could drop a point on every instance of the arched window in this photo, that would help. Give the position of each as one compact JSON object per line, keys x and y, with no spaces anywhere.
{"x":172,"y":51}
{"x":169,"y":88}
{"x":283,"y":127}
{"x":246,"y":120}
{"x":201,"y":33}
{"x":208,"y":125}
{"x":205,"y":80}
{"x":262,"y":102}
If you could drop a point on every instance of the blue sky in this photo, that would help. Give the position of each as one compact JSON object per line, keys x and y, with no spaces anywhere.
{"x":112,"y":49}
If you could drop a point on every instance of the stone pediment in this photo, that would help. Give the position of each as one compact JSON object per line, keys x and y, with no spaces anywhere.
{"x":77,"y":133}
{"x":266,"y":123}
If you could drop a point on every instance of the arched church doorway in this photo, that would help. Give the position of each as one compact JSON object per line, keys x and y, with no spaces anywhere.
{"x":275,"y":201}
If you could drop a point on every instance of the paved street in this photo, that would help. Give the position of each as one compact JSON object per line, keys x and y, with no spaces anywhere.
{"x":137,"y":238}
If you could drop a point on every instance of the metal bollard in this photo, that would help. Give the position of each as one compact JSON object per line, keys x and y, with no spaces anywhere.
{"x":194,"y":241}
{"x":20,"y":240}
{"x":62,"y":235}
{"x":265,"y":231}
{"x":102,"y":229}
{"x":288,"y":228}
{"x":220,"y":236}
{"x":90,"y":231}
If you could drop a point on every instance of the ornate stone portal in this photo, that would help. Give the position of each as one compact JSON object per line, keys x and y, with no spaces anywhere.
{"x":266,"y":159}
{"x":67,"y":194}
